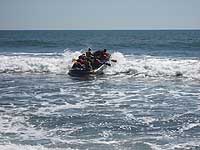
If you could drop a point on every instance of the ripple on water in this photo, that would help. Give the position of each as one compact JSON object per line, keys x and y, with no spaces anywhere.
{"x":101,"y":113}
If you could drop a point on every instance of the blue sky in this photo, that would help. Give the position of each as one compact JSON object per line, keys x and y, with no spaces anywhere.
{"x":99,"y":14}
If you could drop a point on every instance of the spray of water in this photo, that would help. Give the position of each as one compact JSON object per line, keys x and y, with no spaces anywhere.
{"x":143,"y":66}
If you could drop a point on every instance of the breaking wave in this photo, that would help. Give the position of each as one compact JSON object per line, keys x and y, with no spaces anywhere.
{"x":149,"y":66}
{"x":141,"y":66}
{"x":37,"y":62}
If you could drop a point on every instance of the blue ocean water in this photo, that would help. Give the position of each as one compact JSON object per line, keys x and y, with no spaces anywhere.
{"x":167,"y":43}
{"x":148,"y":100}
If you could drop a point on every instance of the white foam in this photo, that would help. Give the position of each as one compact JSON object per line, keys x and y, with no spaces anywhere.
{"x":37,"y":63}
{"x":143,"y":66}
{"x":155,"y":67}
{"x":19,"y":126}
{"x":189,"y":145}
{"x":28,"y":147}
{"x":190,"y":126}
{"x":48,"y":110}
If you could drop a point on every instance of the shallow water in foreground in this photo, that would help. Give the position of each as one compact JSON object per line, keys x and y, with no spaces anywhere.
{"x":105,"y":112}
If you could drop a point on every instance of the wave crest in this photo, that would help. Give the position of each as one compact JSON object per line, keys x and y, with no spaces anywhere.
{"x":141,"y":66}
{"x":155,"y":66}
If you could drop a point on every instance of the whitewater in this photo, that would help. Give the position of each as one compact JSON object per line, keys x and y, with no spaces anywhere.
{"x":152,"y":102}
{"x":148,"y":100}
{"x":143,"y":66}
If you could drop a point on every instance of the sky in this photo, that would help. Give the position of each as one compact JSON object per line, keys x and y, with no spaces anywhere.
{"x":99,"y":14}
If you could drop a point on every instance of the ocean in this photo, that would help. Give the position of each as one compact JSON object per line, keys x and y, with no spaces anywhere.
{"x":148,"y":100}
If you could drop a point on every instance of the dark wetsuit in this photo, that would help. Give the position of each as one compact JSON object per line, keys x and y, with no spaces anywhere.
{"x":77,"y":65}
{"x":96,"y":64}
{"x":97,"y":54}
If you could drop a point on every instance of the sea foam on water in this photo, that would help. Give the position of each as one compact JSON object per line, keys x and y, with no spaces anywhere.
{"x":143,"y":66}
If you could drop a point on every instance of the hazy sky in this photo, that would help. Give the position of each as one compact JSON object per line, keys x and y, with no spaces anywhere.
{"x":99,"y":14}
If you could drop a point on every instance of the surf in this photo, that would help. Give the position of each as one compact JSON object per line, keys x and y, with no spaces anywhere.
{"x":127,"y":65}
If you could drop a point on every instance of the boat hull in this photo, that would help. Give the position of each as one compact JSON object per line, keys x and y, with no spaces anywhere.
{"x":83,"y":72}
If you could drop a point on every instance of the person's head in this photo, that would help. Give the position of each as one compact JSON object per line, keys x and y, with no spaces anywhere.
{"x":105,"y":50}
{"x":89,"y":49}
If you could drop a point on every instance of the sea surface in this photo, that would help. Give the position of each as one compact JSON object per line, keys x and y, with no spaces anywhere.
{"x":148,"y":100}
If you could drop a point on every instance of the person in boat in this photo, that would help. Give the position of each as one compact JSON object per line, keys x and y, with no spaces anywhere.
{"x":102,"y":55}
{"x":86,"y":61}
{"x":82,"y":57}
{"x":82,"y":63}
{"x":89,"y":56}
{"x":89,"y":53}
{"x":96,"y":63}
{"x":79,"y":63}
{"x":105,"y":56}
{"x":97,"y":54}
{"x":87,"y":64}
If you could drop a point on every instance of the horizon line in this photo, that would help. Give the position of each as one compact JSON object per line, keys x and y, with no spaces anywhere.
{"x":100,"y":29}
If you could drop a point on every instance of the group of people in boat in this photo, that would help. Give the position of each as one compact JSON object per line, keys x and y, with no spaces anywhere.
{"x":91,"y":60}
